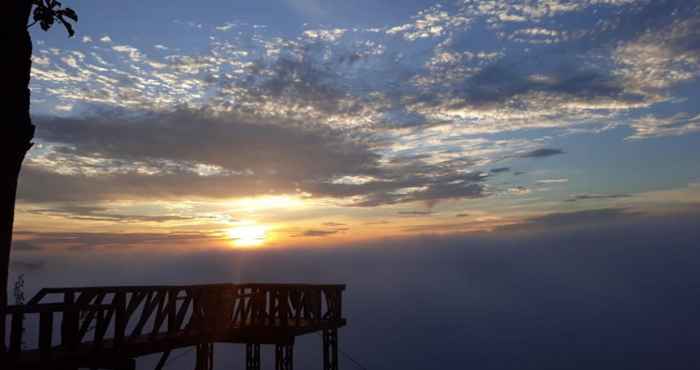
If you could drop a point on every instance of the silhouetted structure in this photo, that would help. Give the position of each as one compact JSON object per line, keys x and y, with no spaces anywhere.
{"x":107,"y":327}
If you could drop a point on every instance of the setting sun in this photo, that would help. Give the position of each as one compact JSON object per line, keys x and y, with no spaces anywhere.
{"x":248,"y":235}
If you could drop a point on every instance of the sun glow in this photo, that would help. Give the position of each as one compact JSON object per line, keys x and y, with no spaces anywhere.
{"x":250,"y":235}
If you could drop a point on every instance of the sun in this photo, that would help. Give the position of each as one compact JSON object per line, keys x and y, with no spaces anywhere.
{"x":248,"y":235}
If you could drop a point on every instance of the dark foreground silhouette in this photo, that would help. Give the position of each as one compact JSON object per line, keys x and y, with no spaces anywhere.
{"x":108,"y":327}
{"x":17,"y":130}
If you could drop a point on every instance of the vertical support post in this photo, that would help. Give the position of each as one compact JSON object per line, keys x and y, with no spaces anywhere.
{"x":45,"y":334}
{"x":252,"y":356}
{"x":330,"y":349}
{"x":204,"y":356}
{"x":70,"y":322}
{"x":120,"y":319}
{"x":16,"y":331}
{"x":172,"y":310}
{"x":211,"y":356}
{"x":284,"y":356}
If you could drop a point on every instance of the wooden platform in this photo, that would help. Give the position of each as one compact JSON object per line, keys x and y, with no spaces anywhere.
{"x":107,"y":327}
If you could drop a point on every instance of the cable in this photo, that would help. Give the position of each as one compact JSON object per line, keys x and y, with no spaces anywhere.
{"x":171,"y":360}
{"x":347,"y":355}
{"x":352,"y":359}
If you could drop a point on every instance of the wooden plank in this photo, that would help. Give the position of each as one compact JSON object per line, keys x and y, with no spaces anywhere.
{"x":163,"y":360}
{"x":146,"y":312}
{"x":87,"y":321}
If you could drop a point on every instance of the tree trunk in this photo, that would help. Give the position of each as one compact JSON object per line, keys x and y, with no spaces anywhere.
{"x":16,"y":129}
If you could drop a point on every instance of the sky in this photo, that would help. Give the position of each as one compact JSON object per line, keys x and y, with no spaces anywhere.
{"x":297,"y":123}
{"x":530,"y":160}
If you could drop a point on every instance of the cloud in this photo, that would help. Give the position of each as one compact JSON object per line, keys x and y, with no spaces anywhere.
{"x":333,"y":224}
{"x":330,"y":35}
{"x":581,"y":197}
{"x":661,"y":57}
{"x":317,"y":233}
{"x":203,"y":154}
{"x":225,"y":27}
{"x":553,"y":181}
{"x":519,"y":190}
{"x":651,"y":126}
{"x":297,"y":115}
{"x":96,"y":240}
{"x":500,"y":170}
{"x":429,"y":23}
{"x":415,"y":213}
{"x":95,"y":213}
{"x":23,"y":246}
{"x":235,"y":144}
{"x":577,"y":219}
{"x":27,"y":266}
{"x":498,"y":13}
{"x":541,"y":153}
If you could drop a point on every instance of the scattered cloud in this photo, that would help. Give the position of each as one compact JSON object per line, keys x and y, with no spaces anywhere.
{"x":96,"y":213}
{"x":318,"y":233}
{"x":415,"y":213}
{"x":541,"y":153}
{"x":652,"y":126}
{"x":581,"y":197}
{"x":87,"y":240}
{"x":429,"y":23}
{"x":553,"y":181}
{"x":27,"y":266}
{"x":225,"y":27}
{"x":334,"y":224}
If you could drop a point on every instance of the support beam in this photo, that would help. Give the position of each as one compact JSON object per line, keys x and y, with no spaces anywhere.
{"x":284,"y":356}
{"x":252,"y":356}
{"x":330,"y":349}
{"x":163,"y":360}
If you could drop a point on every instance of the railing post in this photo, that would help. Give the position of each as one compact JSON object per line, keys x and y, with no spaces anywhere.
{"x":16,"y":331}
{"x":283,"y":302}
{"x":339,"y":310}
{"x":330,"y":349}
{"x":318,"y":304}
{"x":252,"y":356}
{"x":70,"y":322}
{"x":172,"y":310}
{"x":45,"y":335}
{"x":284,"y":356}
{"x":120,"y":319}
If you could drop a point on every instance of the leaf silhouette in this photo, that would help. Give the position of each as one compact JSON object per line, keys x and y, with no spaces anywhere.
{"x":47,"y":11}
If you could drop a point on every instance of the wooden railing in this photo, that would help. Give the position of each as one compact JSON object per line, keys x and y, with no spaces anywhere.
{"x":116,"y":319}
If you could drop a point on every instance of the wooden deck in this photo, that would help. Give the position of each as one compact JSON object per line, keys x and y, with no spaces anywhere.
{"x":108,"y":327}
